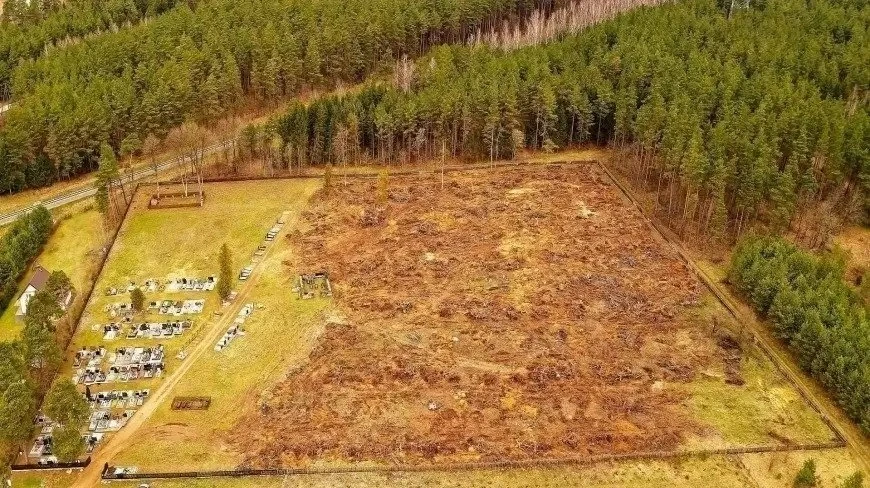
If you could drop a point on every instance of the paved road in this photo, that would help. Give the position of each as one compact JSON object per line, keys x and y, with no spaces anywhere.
{"x":89,"y":191}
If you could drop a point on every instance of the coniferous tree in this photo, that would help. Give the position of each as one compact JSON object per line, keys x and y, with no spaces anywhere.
{"x":225,"y":280}
{"x":137,"y":299}
{"x":822,"y":319}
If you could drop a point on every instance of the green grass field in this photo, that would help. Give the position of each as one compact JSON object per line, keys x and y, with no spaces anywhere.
{"x":278,"y":334}
{"x":73,"y":248}
{"x":751,"y":413}
{"x":48,"y":479}
{"x":184,"y":242}
{"x":765,"y":410}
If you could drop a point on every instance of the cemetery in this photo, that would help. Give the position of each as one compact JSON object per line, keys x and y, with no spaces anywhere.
{"x":263,"y":327}
{"x":120,"y":355}
{"x":110,"y":410}
{"x":41,"y":450}
{"x":125,"y":364}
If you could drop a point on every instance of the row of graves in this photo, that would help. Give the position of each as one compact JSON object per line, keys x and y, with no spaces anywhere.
{"x":93,"y":366}
{"x":170,"y":285}
{"x":144,"y":330}
{"x":177,"y":307}
{"x":42,"y":450}
{"x":111,"y":410}
{"x":124,"y":310}
{"x":158,"y":330}
{"x":271,"y":234}
{"x":237,"y":328}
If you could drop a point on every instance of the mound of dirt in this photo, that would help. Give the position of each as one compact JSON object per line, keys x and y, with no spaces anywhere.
{"x":512,"y":314}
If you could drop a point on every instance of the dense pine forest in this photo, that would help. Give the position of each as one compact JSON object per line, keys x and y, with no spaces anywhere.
{"x":31,"y":27}
{"x":731,"y":120}
{"x":729,"y":116}
{"x":198,"y":63}
{"x":821,"y":318}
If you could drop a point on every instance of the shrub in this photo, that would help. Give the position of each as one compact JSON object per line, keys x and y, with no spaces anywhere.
{"x":806,"y":477}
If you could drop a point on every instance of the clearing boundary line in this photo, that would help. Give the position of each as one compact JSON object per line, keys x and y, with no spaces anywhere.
{"x":708,"y":282}
{"x":843,"y":433}
{"x":413,"y":468}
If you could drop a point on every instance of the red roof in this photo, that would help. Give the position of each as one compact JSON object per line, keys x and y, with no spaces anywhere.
{"x":40,"y":277}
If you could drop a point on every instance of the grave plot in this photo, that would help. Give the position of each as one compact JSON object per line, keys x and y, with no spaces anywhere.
{"x":311,"y":285}
{"x":236,"y":329}
{"x":510,"y":315}
{"x":191,"y":403}
{"x":170,"y":285}
{"x":42,"y":448}
{"x":177,"y":196}
{"x":123,"y":365}
{"x":111,"y":409}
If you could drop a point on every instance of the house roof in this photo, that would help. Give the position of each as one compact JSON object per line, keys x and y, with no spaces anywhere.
{"x":40,"y":277}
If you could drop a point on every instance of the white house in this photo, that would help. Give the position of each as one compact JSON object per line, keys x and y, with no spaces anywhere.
{"x":37,"y":283}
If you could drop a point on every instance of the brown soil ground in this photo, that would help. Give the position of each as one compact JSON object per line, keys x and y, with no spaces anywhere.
{"x":513,"y":314}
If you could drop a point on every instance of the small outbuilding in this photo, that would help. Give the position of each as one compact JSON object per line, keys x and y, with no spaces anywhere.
{"x":36,"y":284}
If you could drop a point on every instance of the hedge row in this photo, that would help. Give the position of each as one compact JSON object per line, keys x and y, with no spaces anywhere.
{"x":824,"y":321}
{"x":18,"y":247}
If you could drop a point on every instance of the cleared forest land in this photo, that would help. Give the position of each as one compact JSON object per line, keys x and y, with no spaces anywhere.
{"x":524,"y":313}
{"x":511,"y":314}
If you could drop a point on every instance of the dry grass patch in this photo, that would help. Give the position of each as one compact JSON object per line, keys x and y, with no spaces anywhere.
{"x":712,"y":472}
{"x":47,"y":479}
{"x":778,"y":469}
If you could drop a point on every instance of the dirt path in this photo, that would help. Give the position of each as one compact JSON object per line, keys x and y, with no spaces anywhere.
{"x":91,"y":475}
{"x":856,"y":442}
{"x":461,"y":361}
